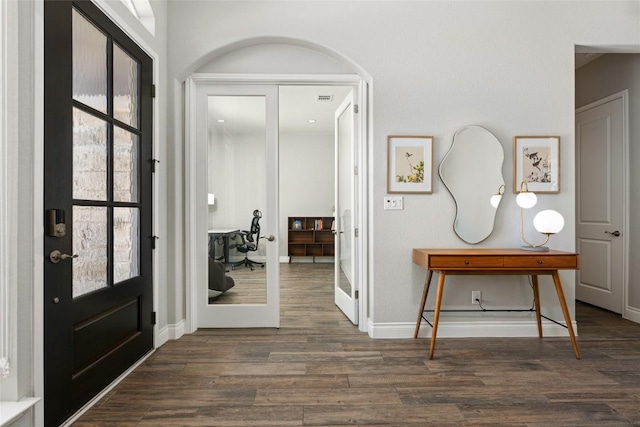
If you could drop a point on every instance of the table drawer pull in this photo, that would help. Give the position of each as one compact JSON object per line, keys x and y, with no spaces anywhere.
{"x":540,"y":261}
{"x":466,"y":261}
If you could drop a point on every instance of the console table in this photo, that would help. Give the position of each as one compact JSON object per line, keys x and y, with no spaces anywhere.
{"x":494,"y":262}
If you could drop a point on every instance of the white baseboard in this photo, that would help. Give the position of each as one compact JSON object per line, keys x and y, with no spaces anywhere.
{"x":170,"y":332}
{"x":470,"y":329}
{"x":632,"y":313}
{"x":306,"y":259}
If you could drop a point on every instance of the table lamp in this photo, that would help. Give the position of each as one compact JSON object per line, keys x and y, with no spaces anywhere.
{"x":546,"y":222}
{"x":495,"y":199}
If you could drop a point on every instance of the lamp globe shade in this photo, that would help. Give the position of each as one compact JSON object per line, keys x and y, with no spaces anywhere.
{"x":548,"y":221}
{"x":495,"y":200}
{"x":526,"y":199}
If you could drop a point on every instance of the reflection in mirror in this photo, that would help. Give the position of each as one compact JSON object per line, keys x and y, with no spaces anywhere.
{"x":236,"y":187}
{"x":472,"y":172}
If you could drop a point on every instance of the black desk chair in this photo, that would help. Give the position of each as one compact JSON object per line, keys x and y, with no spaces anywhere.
{"x":249,"y":242}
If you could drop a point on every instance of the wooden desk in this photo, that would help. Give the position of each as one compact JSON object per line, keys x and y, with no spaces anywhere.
{"x":494,"y":262}
{"x":225,"y":234}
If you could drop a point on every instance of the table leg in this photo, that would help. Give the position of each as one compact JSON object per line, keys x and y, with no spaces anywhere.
{"x":226,"y":248}
{"x":536,"y":300}
{"x":565,"y":311}
{"x":425,"y":292}
{"x":436,"y":313}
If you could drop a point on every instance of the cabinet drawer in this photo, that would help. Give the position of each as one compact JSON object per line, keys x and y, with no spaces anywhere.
{"x":542,"y":262}
{"x":462,"y":262}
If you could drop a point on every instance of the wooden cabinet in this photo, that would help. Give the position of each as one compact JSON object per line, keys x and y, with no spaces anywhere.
{"x":310,"y":236}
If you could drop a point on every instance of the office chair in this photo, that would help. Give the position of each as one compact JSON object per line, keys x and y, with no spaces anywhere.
{"x":219,"y":282}
{"x":249,"y":242}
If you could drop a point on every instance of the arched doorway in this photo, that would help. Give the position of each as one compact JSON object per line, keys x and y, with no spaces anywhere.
{"x":276,"y":64}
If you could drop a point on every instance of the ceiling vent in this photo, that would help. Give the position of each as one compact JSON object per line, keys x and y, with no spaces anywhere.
{"x":325,"y":98}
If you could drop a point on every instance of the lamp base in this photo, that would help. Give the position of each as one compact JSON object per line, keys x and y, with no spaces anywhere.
{"x":535,"y":249}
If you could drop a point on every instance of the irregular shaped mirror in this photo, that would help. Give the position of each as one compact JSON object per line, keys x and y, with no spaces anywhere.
{"x":472,"y":172}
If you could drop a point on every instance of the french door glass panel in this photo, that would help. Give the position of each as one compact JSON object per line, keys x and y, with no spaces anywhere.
{"x":90,"y":153}
{"x":345,"y":163}
{"x":237,"y":179}
{"x":90,"y":71}
{"x":125,"y":165}
{"x":90,"y":270}
{"x":126,"y":251}
{"x":106,"y":161}
{"x":125,"y":87}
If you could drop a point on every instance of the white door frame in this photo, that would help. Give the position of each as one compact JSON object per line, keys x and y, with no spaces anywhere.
{"x":628,"y":312}
{"x":190,"y":178}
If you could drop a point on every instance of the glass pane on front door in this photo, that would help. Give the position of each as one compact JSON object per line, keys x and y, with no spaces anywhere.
{"x":237,"y":182}
{"x":126,"y":243}
{"x":125,"y":165}
{"x":125,"y":87}
{"x":90,"y":243}
{"x":89,"y":63}
{"x":90,"y":155}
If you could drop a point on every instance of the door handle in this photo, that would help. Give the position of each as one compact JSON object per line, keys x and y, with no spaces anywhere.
{"x":613,"y":233}
{"x":270,"y":237}
{"x":337,"y":232}
{"x":56,"y":256}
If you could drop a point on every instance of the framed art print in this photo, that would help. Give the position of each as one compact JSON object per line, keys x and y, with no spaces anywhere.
{"x":409,"y":164}
{"x":536,"y":161}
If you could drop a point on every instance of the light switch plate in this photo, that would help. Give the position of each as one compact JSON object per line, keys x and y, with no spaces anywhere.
{"x":393,"y":203}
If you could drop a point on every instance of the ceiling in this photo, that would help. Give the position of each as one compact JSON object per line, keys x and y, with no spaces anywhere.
{"x":584,"y":58}
{"x":235,"y":115}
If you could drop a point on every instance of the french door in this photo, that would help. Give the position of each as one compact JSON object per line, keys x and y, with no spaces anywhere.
{"x":97,"y":245}
{"x":346,"y":280}
{"x":234,"y":178}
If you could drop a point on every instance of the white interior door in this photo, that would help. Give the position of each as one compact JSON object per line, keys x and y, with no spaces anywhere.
{"x":237,"y":176}
{"x":346,"y":280}
{"x":600,"y":202}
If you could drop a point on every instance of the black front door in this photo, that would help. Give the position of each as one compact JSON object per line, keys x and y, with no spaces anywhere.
{"x":98,"y":143}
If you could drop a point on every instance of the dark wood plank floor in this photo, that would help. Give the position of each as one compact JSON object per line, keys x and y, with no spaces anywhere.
{"x":318,"y":370}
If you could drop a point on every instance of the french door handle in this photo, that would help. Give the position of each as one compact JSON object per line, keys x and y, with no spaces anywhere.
{"x":337,"y":232}
{"x":613,"y":233}
{"x":270,"y":237}
{"x":56,"y":256}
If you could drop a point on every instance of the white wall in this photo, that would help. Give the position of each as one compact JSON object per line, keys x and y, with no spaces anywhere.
{"x":609,"y":74}
{"x":306,"y":178}
{"x":237,"y":172}
{"x":434,"y":67}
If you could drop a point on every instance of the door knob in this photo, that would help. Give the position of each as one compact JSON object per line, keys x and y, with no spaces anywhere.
{"x":270,"y":237}
{"x":613,"y":233}
{"x":56,"y":256}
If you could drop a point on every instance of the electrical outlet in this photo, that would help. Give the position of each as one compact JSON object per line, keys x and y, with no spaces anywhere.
{"x":393,"y":203}
{"x":476,"y":297}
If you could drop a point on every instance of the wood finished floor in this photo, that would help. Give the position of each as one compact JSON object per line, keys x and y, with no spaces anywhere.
{"x":319,"y":370}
